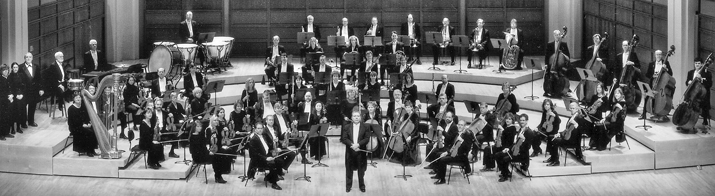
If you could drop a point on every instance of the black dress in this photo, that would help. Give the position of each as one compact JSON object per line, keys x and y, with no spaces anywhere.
{"x":155,"y":152}
{"x":17,"y":86}
{"x":84,"y":139}
{"x":4,"y":107}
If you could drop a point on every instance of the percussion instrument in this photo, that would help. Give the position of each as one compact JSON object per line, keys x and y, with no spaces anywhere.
{"x":188,"y":51}
{"x":164,"y":57}
{"x":75,"y":84}
{"x":163,"y":43}
{"x":228,"y":40}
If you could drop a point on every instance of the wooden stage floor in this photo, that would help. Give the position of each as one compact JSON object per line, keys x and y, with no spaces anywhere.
{"x":660,"y":147}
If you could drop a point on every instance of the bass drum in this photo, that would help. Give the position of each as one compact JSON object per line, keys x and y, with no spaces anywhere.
{"x":164,"y":57}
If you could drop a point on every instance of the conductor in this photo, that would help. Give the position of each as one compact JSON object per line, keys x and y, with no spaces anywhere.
{"x":354,"y":136}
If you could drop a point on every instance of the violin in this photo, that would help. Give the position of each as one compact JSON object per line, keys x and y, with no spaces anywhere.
{"x":548,"y":125}
{"x":213,"y":143}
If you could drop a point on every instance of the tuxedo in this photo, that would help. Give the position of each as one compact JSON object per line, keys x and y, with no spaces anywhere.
{"x":355,"y":160}
{"x":89,"y":62}
{"x":551,"y":49}
{"x":185,"y":33}
{"x":616,"y":67}
{"x":449,"y":91}
{"x":484,"y":41}
{"x":378,"y":30}
{"x":156,"y":86}
{"x":316,"y":30}
{"x":651,"y":70}
{"x":436,"y":49}
{"x":417,"y":31}
{"x":33,"y":85}
{"x":707,"y":83}
{"x":54,"y":76}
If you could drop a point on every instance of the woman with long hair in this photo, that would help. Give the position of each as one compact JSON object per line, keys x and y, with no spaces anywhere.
{"x":17,"y":86}
{"x":548,"y":127}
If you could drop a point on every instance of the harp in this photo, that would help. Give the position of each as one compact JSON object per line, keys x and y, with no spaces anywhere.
{"x":107,"y":143}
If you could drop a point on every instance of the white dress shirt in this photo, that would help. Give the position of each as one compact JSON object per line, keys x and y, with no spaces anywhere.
{"x":263,"y":141}
{"x":191,"y":30}
{"x":62,"y":70}
{"x":410,"y":30}
{"x":515,"y":32}
{"x":356,"y":132}
{"x":94,"y":57}
{"x":344,"y":33}
{"x":162,"y":85}
{"x":29,"y":68}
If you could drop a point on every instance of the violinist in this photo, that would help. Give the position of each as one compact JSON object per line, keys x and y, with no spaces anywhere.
{"x":371,"y":84}
{"x":249,"y":96}
{"x":598,"y":106}
{"x":352,"y":47}
{"x":304,"y":111}
{"x":548,"y":128}
{"x":273,"y":51}
{"x":506,"y":95}
{"x":198,"y":142}
{"x":551,"y":48}
{"x":285,"y":125}
{"x":354,"y":136}
{"x":148,"y":141}
{"x":503,"y":138}
{"x":409,"y":89}
{"x":297,"y":85}
{"x":447,"y":132}
{"x":705,"y":78}
{"x":445,"y":88}
{"x":336,"y":84}
{"x":322,"y":67}
{"x":199,"y":101}
{"x":612,"y":124}
{"x":488,"y":135}
{"x":161,"y":118}
{"x":220,"y":163}
{"x":369,"y":64}
{"x":437,"y":111}
{"x":307,"y":70}
{"x":261,"y":149}
{"x":455,"y":152}
{"x":394,"y":45}
{"x":348,"y":105}
{"x":241,"y":121}
{"x":175,"y":108}
{"x":279,"y":139}
{"x":571,"y":135}
{"x":264,"y":106}
{"x":515,"y":148}
{"x":652,"y":73}
{"x":192,"y":80}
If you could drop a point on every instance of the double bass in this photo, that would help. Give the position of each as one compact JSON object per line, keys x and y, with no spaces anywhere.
{"x":586,"y":89}
{"x":632,"y":94}
{"x":689,"y":109}
{"x":663,"y":89}
{"x":553,"y":78}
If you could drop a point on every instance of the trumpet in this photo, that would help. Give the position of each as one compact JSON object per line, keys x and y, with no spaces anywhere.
{"x":414,"y":42}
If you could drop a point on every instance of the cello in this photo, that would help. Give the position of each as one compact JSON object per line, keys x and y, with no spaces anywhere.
{"x":663,"y":89}
{"x":632,"y":94}
{"x":503,"y":106}
{"x":689,"y":109}
{"x":553,"y":79}
{"x":586,"y":89}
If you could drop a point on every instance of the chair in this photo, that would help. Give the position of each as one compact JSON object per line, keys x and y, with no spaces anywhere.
{"x":515,"y":165}
{"x":67,"y":141}
{"x":136,"y":151}
{"x":566,"y":149}
{"x":461,"y":169}
{"x":624,"y":138}
{"x":198,"y":165}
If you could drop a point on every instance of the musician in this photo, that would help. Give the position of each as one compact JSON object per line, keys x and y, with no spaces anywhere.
{"x":261,"y":149}
{"x":318,"y":144}
{"x":199,"y":102}
{"x":477,"y":125}
{"x":373,"y":116}
{"x":394,"y":107}
{"x":456,"y":153}
{"x":272,"y":52}
{"x":312,"y":28}
{"x":409,"y":89}
{"x":653,"y":72}
{"x":335,"y":85}
{"x":509,"y":96}
{"x":394,"y":45}
{"x":550,"y":50}
{"x":349,"y":104}
{"x":162,"y":116}
{"x":81,"y":128}
{"x":192,"y":80}
{"x":627,"y":57}
{"x":445,"y":88}
{"x":148,"y":142}
{"x":516,"y":33}
{"x":6,"y":99}
{"x":602,"y":55}
{"x":705,"y":78}
{"x":548,"y":111}
{"x":55,"y":79}
{"x":369,"y":64}
{"x":160,"y":85}
{"x":611,"y":125}
{"x":198,"y":142}
{"x":435,"y":111}
{"x":240,"y":119}
{"x":371,"y":84}
{"x":95,"y":60}
{"x":345,"y":31}
{"x":188,"y":30}
{"x":284,"y":67}
{"x":447,"y":33}
{"x":18,"y":88}
{"x":479,"y":41}
{"x":516,"y":148}
{"x":354,"y":48}
{"x":33,"y":74}
{"x":322,"y":67}
{"x":307,"y":69}
{"x":249,"y":96}
{"x":175,"y":108}
{"x":297,"y":85}
{"x":596,"y":110}
{"x":503,"y":138}
{"x":214,"y":136}
{"x":374,"y":29}
{"x":264,"y":106}
{"x":412,"y":29}
{"x":131,"y":105}
{"x":575,"y":124}
{"x":354,"y":136}
{"x":444,"y":137}
{"x":279,"y":135}
{"x":488,"y":135}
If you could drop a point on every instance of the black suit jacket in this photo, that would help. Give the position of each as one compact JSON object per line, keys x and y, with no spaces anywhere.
{"x":651,"y":70}
{"x":449,"y":91}
{"x":485,"y":38}
{"x":355,"y":160}
{"x":451,"y":31}
{"x":388,"y":47}
{"x":519,"y":34}
{"x":450,"y":134}
{"x":316,"y":30}
{"x":433,"y":110}
{"x":551,"y":49}
{"x":378,"y":29}
{"x":156,"y":90}
{"x":351,"y":31}
{"x":89,"y":62}
{"x":184,"y":30}
{"x":256,"y":150}
{"x":602,"y":53}
{"x":707,"y":82}
{"x":52,"y":76}
{"x":189,"y":84}
{"x":33,"y":82}
{"x":417,"y":31}
{"x":269,"y":51}
{"x":617,"y":66}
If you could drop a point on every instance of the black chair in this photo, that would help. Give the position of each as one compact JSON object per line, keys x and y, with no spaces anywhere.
{"x":67,"y":142}
{"x":619,"y":143}
{"x":514,"y":166}
{"x":566,"y":149}
{"x":461,"y":167}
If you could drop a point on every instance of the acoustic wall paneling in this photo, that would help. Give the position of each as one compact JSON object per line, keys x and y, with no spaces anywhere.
{"x":66,"y":26}
{"x":254,"y":22}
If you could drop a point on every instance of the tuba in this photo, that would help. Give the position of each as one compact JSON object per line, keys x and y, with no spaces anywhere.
{"x":510,"y":56}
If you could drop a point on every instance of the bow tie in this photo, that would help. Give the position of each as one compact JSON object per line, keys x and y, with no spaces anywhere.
{"x":29,"y":65}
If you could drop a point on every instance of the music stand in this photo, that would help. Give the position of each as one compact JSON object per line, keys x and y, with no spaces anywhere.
{"x":496,"y":43}
{"x":372,"y":41}
{"x":313,"y":58}
{"x":434,"y":38}
{"x":648,"y":92}
{"x":206,"y":37}
{"x":396,"y":79}
{"x":533,"y":65}
{"x":300,"y":93}
{"x":373,"y":128}
{"x":472,"y":108}
{"x":362,"y":77}
{"x":388,"y":60}
{"x":214,"y":87}
{"x":372,"y":95}
{"x":405,"y":39}
{"x":334,"y":97}
{"x":305,"y":171}
{"x":304,"y":36}
{"x":460,"y":41}
{"x":319,"y":130}
{"x":352,"y":61}
{"x":336,"y":41}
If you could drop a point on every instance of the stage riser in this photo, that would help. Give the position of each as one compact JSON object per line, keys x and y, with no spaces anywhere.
{"x":70,"y":164}
{"x":683,"y":154}
{"x":26,"y":159}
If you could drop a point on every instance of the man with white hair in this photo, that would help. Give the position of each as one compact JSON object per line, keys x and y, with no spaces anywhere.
{"x":95,"y":60}
{"x":518,"y":34}
{"x":447,"y":32}
{"x":310,"y":26}
{"x":55,"y":80}
{"x":161,"y":85}
{"x":188,"y":30}
{"x":33,"y":87}
{"x":413,"y":30}
{"x":273,"y":54}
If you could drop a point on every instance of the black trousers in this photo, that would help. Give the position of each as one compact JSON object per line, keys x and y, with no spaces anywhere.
{"x":271,"y":73}
{"x":436,"y":50}
{"x":481,"y":54}
{"x":441,"y":165}
{"x":349,"y":177}
{"x":413,"y":52}
{"x":561,"y":142}
{"x":503,"y":160}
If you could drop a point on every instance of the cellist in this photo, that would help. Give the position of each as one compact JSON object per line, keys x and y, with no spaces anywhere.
{"x":446,"y":133}
{"x":652,"y":73}
{"x":551,"y":48}
{"x":515,"y":148}
{"x":705,"y":78}
{"x":456,"y":152}
{"x":506,"y":95}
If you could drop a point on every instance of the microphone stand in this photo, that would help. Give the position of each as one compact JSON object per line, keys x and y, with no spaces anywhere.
{"x":532,"y":97}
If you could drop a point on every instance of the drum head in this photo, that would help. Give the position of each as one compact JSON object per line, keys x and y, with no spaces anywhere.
{"x":163,"y":44}
{"x":160,"y":58}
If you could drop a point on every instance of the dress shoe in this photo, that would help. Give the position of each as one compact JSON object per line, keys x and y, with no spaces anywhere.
{"x":122,"y":136}
{"x":281,"y":178}
{"x":419,"y":62}
{"x":33,"y":124}
{"x":503,"y":179}
{"x":440,"y":181}
{"x":547,"y":160}
{"x":173,"y":155}
{"x":486,"y":169}
{"x":220,"y":180}
{"x":555,"y":163}
{"x":362,"y":189}
{"x":2,"y":138}
{"x":90,"y":155}
{"x":432,"y":172}
{"x":535,"y":153}
{"x":428,"y":167}
{"x":20,"y":131}
{"x":9,"y":136}
{"x":305,"y":161}
{"x":434,"y":177}
{"x":23,"y":126}
{"x":347,"y":190}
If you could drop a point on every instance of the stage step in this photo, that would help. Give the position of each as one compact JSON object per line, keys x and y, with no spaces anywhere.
{"x":31,"y":152}
{"x":170,"y":169}
{"x":620,"y":157}
{"x":69,"y":163}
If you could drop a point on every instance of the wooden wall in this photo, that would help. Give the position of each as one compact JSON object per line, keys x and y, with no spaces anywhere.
{"x":254,"y":22}
{"x":66,"y":26}
{"x":623,"y":18}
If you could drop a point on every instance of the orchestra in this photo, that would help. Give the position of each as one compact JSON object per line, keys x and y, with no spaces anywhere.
{"x":272,"y":126}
